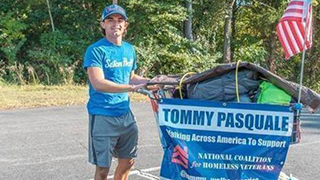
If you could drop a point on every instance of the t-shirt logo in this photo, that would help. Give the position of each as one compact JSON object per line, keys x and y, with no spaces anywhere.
{"x":116,"y":64}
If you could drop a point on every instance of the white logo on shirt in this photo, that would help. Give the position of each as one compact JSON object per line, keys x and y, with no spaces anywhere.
{"x":115,"y":64}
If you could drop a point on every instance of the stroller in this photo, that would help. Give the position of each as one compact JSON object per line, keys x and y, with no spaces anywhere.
{"x":210,"y":136}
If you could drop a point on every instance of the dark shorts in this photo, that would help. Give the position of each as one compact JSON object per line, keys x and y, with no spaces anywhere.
{"x":112,"y":137}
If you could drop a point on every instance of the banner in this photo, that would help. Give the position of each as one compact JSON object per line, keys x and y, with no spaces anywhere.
{"x":205,"y":140}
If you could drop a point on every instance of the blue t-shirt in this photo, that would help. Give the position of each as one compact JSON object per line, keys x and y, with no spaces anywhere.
{"x":117,"y":63}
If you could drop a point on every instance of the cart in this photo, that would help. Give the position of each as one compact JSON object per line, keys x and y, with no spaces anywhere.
{"x":216,"y":140}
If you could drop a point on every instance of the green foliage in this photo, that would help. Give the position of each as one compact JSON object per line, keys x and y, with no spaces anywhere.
{"x":156,"y":60}
{"x":12,"y":37}
{"x":53,"y":60}
{"x":252,"y":52}
{"x":208,"y":24}
{"x":31,"y":53}
{"x":256,"y":27}
{"x":156,"y":31}
{"x":11,"y":41}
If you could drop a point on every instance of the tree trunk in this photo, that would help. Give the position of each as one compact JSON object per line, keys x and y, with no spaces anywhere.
{"x":227,"y":32}
{"x":233,"y":27}
{"x":271,"y":58}
{"x":188,"y":22}
{"x":51,"y":19}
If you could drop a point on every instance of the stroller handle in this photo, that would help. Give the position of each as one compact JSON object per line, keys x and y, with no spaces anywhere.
{"x":146,"y":92}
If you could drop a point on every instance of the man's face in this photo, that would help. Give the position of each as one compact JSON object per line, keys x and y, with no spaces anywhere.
{"x":114,"y":25}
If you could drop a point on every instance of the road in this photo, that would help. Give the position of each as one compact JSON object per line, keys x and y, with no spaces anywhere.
{"x":51,"y":144}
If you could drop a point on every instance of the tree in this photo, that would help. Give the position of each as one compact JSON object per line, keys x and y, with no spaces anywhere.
{"x":188,"y":21}
{"x":228,"y":32}
{"x":170,"y":37}
{"x":51,"y":20}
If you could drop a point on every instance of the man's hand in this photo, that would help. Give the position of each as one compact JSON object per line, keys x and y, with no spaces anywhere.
{"x":139,"y":86}
{"x":153,"y":87}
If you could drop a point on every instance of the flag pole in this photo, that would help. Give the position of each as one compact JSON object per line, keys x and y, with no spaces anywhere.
{"x":302,"y":69}
{"x":304,"y":53}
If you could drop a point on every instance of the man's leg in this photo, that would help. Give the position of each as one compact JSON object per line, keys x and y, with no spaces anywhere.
{"x":101,"y":145}
{"x":126,"y":148}
{"x":101,"y":173}
{"x":123,"y":169}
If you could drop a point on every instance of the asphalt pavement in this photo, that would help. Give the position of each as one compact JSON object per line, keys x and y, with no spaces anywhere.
{"x":51,"y":144}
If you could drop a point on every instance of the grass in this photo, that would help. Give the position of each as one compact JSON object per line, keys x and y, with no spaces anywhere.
{"x":31,"y":96}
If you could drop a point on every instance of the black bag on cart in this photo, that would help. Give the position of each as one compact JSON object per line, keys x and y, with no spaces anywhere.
{"x":223,"y":87}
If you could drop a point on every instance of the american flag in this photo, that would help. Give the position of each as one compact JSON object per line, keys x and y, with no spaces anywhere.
{"x":294,"y":25}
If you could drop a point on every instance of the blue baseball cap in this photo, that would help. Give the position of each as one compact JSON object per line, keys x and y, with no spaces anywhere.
{"x":114,"y":9}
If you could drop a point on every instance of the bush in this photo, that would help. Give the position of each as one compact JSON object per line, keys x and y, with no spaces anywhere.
{"x":11,"y":41}
{"x":52,"y":61}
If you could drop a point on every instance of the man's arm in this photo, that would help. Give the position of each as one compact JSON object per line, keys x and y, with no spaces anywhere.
{"x":137,"y":80}
{"x":141,"y":82}
{"x":101,"y":84}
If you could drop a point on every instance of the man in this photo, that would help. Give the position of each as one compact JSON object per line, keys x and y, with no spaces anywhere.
{"x":110,"y":64}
